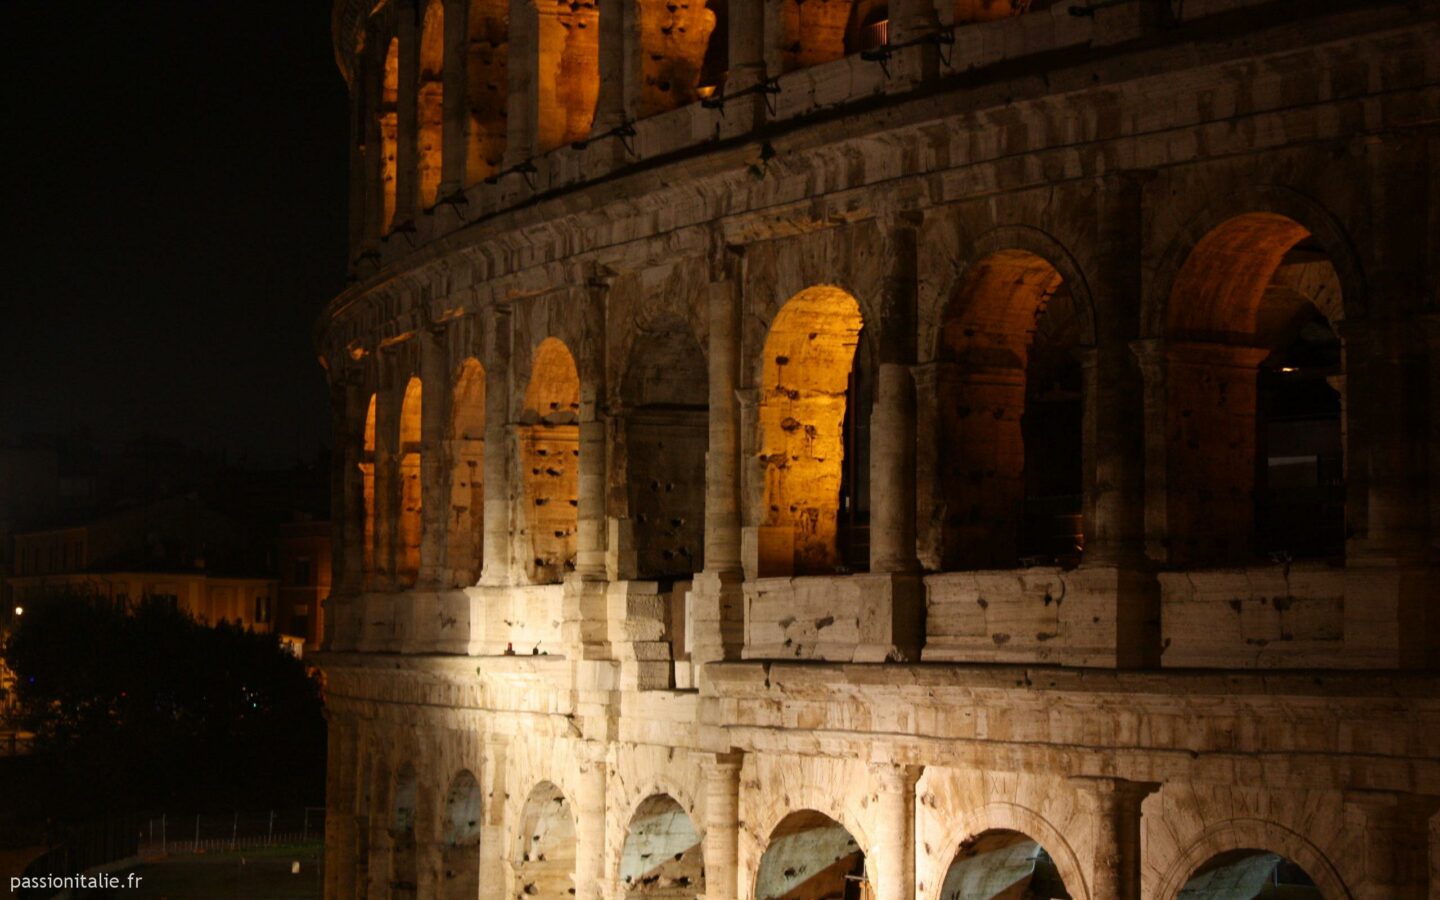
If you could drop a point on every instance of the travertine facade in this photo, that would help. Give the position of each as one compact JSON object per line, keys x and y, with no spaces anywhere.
{"x":819,"y":449}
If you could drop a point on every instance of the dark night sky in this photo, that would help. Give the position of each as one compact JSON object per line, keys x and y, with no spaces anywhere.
{"x":174,"y":184}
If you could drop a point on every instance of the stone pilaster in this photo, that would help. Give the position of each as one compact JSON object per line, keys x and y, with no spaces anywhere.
{"x":590,"y":821}
{"x":435,"y":380}
{"x":1394,"y":832}
{"x":893,"y":853}
{"x":1113,"y":805}
{"x":455,"y":153}
{"x":340,"y":824}
{"x":591,"y":529}
{"x":371,"y":81}
{"x":619,"y":65}
{"x":892,"y":472}
{"x":522,"y":71}
{"x":495,"y":840}
{"x":499,"y":449}
{"x":722,"y":826}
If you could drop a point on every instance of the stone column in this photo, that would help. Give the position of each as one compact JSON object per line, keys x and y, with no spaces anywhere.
{"x":340,"y":822}
{"x":892,"y":472}
{"x":722,"y":826}
{"x":387,"y":488}
{"x":359,"y":171}
{"x":1114,"y":808}
{"x":619,"y":64}
{"x":435,"y":378}
{"x":1386,"y":380}
{"x":499,"y":448}
{"x":1432,"y":336}
{"x":522,"y":106}
{"x":716,"y":597}
{"x":894,"y":849}
{"x":1113,"y":441}
{"x":747,"y":44}
{"x":590,"y":822}
{"x":407,"y":123}
{"x":590,"y":535}
{"x":495,"y":840}
{"x":454,"y":151}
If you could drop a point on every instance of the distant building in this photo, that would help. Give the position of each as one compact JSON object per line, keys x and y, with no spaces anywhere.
{"x":304,"y":580}
{"x":176,"y":549}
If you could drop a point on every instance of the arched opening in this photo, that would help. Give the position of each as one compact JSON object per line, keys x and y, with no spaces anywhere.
{"x":412,"y":522}
{"x":674,"y":37}
{"x":545,"y":847}
{"x":662,"y":856}
{"x":1249,"y":875}
{"x":388,"y":114}
{"x":868,"y":27}
{"x":367,"y":486}
{"x":430,"y":101}
{"x":666,"y":436}
{"x":402,"y":835}
{"x":1009,"y":389}
{"x":969,"y":12}
{"x":550,"y":460}
{"x":467,"y":475}
{"x":814,"y":32}
{"x":810,"y":855}
{"x":1001,"y":865}
{"x":805,"y":390}
{"x":569,"y":71}
{"x":460,"y":840}
{"x":487,"y":87}
{"x":1253,"y":381}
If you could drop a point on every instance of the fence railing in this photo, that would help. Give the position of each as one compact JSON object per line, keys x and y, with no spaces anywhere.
{"x":89,"y":845}
{"x":169,"y":833}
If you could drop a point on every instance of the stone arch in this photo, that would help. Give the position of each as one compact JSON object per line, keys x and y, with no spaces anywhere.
{"x":665,"y":397}
{"x":387,"y":115}
{"x":549,"y":459}
{"x":1000,"y":817}
{"x":1232,"y":202}
{"x":404,"y":803}
{"x":661,"y":855}
{"x":466,"y":532}
{"x":1247,"y":379}
{"x":430,"y":102}
{"x":411,"y":519}
{"x":810,"y":854}
{"x":544,"y":851}
{"x":1009,"y":394}
{"x":460,"y":838}
{"x":569,"y":83}
{"x":487,"y":87}
{"x":807,"y":362}
{"x":1253,"y":834}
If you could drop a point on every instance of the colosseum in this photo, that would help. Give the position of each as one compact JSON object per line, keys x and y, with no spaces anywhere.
{"x":813,"y":449}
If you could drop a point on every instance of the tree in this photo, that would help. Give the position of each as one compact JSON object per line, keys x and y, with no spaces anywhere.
{"x":150,"y":709}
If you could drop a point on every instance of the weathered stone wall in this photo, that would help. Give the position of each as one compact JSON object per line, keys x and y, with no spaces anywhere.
{"x":675,"y":642}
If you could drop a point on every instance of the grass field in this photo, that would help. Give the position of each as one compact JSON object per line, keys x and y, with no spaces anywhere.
{"x":262,"y":874}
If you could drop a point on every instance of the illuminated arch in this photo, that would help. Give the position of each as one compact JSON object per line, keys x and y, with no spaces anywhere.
{"x":1252,"y":437}
{"x":466,"y":534}
{"x":1001,"y":817}
{"x":674,"y":38}
{"x":549,"y":459}
{"x":569,"y":82}
{"x":808,"y":359}
{"x":662,"y":854}
{"x":1009,"y":388}
{"x":544,"y":851}
{"x":367,"y":481}
{"x":411,"y":520}
{"x":460,"y":839}
{"x":809,"y":854}
{"x":388,"y":115}
{"x":430,"y":102}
